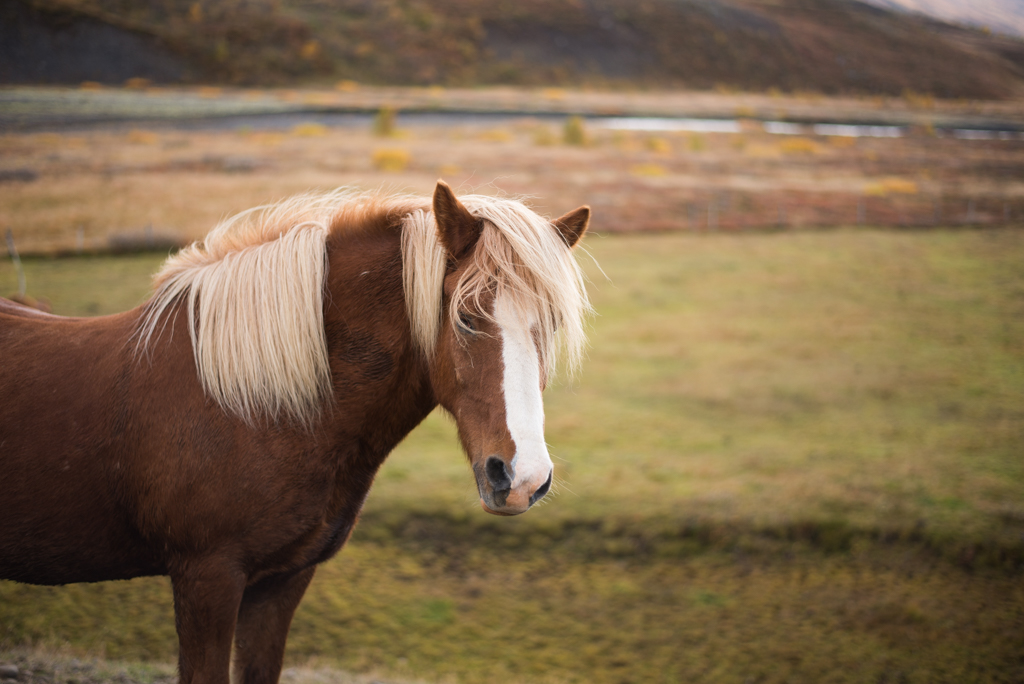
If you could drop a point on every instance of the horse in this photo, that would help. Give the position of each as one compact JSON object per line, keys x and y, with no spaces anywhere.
{"x":226,"y":432}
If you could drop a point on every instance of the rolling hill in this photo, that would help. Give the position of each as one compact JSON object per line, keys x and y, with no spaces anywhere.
{"x":827,"y":46}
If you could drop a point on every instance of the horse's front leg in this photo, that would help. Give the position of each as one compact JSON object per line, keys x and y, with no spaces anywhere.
{"x":207,"y":593}
{"x":263,"y":622}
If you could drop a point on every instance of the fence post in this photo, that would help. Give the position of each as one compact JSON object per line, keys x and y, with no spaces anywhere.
{"x":13,"y":251}
{"x":861,"y":212}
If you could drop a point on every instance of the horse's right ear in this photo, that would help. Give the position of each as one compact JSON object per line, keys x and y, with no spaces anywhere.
{"x":458,"y":229}
{"x":573,"y":225}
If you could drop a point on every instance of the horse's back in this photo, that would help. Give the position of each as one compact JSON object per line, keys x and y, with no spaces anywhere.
{"x":59,"y":405}
{"x":12,"y":308}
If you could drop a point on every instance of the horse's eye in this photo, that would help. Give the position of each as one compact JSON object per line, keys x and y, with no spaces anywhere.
{"x":466,"y":322}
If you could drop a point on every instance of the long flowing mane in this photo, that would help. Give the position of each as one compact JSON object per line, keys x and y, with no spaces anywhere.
{"x":254,"y":288}
{"x":520,"y":254}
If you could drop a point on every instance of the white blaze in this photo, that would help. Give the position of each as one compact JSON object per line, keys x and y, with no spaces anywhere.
{"x":524,"y":408}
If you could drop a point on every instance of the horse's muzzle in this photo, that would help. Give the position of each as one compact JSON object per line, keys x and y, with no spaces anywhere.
{"x":497,"y":497}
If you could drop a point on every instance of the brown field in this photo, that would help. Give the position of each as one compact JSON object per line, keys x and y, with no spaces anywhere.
{"x":69,"y":191}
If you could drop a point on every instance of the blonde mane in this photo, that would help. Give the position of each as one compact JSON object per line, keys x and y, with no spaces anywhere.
{"x":519,"y":254}
{"x":253,"y":292}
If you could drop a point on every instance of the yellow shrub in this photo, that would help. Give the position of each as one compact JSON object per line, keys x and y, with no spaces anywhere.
{"x":918,"y":100}
{"x":901,"y":186}
{"x":310,"y":49}
{"x":391,"y":159}
{"x":320,"y":98}
{"x":574,"y":133}
{"x":761,"y":151}
{"x":842,"y":141}
{"x":800,"y":146}
{"x":384,"y":122}
{"x":659,"y":145}
{"x":310,"y":130}
{"x":496,"y":135}
{"x":648,"y":170}
{"x":346,"y":86}
{"x":268,"y":138}
{"x":891,"y":186}
{"x":143,"y":137}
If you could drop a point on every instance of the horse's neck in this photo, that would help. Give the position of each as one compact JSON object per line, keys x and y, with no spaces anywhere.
{"x":381,"y":383}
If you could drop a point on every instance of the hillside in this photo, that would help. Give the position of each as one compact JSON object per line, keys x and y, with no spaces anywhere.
{"x":828,"y":46}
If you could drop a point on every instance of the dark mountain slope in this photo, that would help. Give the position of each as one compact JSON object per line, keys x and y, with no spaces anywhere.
{"x":830,"y":46}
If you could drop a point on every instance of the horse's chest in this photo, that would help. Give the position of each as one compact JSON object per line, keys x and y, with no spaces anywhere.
{"x":334,"y":536}
{"x":336,"y":512}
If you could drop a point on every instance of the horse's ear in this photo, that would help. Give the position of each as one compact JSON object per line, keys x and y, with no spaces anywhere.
{"x":573,"y":225}
{"x":459,"y":230}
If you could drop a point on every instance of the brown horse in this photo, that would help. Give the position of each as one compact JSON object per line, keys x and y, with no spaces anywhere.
{"x":226,"y":433}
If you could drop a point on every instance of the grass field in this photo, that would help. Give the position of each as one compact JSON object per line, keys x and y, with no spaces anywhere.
{"x":790,"y":457}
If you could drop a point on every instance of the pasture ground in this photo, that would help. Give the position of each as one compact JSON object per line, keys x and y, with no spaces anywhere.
{"x":790,"y":457}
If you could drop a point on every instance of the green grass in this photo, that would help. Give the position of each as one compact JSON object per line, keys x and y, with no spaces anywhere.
{"x":872,"y":379}
{"x":86,"y":286}
{"x":789,"y":457}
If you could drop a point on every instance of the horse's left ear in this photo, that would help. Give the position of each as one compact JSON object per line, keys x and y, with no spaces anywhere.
{"x":573,"y":225}
{"x":458,"y":229}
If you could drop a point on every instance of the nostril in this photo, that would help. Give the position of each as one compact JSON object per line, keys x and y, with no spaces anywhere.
{"x":542,"y":490}
{"x":498,"y":474}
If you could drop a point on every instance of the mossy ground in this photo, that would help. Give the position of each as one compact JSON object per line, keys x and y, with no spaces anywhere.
{"x":789,"y":457}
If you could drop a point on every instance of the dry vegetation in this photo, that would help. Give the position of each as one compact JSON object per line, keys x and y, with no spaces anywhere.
{"x":76,"y":190}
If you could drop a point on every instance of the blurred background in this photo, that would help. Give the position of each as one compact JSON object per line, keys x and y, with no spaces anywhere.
{"x":795,"y":452}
